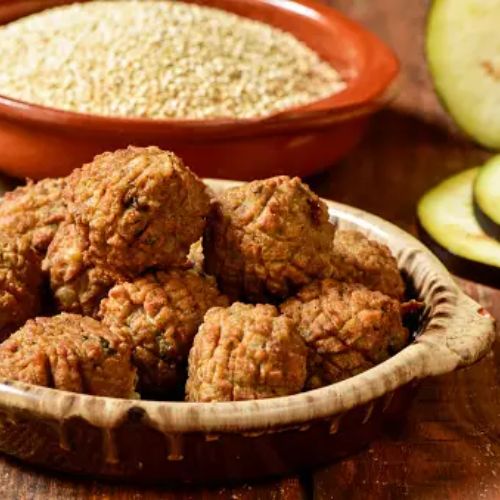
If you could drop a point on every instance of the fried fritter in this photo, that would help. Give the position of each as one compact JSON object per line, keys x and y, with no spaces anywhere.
{"x":357,"y":259}
{"x":71,"y":353}
{"x":35,"y":211}
{"x":245,"y":352}
{"x":267,"y":238}
{"x":161,"y":312}
{"x":140,"y":208}
{"x":78,"y":286}
{"x":20,"y":280}
{"x":347,"y":328}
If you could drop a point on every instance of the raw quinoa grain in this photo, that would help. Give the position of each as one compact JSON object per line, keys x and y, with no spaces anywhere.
{"x":158,"y":59}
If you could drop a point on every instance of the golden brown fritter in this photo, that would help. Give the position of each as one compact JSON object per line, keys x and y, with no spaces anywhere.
{"x":245,"y":352}
{"x":357,"y":259}
{"x":140,"y":207}
{"x":72,"y":353}
{"x":267,"y":238}
{"x":347,"y":328}
{"x":77,"y":285}
{"x":162,"y":313}
{"x":20,"y":280}
{"x":35,"y":211}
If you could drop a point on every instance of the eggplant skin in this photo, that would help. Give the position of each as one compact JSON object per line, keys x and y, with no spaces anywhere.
{"x":460,"y":266}
{"x":488,"y":225}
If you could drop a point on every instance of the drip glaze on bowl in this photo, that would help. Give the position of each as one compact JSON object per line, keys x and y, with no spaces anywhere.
{"x":151,"y":441}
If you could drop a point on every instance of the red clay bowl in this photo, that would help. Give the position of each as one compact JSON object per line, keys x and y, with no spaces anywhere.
{"x":148,"y":441}
{"x":37,"y":142}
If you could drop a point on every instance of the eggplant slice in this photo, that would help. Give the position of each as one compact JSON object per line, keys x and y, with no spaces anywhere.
{"x":462,"y":45}
{"x":487,"y":197}
{"x":448,"y":227}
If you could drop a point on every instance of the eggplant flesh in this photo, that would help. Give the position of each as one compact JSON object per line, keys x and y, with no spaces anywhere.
{"x":448,"y":226}
{"x":462,"y":44}
{"x":487,"y":197}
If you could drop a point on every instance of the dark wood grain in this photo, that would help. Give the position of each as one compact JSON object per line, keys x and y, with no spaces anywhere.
{"x":19,"y":482}
{"x":450,"y":446}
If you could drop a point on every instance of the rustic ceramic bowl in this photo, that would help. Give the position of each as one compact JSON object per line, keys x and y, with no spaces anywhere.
{"x":201,"y":442}
{"x":41,"y":142}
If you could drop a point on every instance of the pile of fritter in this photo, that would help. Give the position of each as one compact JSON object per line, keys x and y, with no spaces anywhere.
{"x":130,"y":278}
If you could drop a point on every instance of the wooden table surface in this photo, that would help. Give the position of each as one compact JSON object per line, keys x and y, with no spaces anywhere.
{"x":450,"y":445}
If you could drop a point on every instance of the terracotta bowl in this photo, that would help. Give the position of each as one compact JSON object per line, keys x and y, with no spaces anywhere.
{"x":42,"y":142}
{"x":204,"y":442}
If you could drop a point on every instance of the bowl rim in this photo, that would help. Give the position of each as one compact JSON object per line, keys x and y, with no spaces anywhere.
{"x":367,"y":92}
{"x":458,"y":333}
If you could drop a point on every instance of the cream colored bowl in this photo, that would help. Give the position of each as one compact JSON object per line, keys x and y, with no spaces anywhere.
{"x":200,"y":442}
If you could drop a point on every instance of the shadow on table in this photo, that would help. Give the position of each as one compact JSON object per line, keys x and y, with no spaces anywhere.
{"x":20,"y":480}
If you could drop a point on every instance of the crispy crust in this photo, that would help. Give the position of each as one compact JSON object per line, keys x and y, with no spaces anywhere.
{"x":267,"y":238}
{"x":77,"y":285}
{"x":161,"y":312}
{"x":245,"y":352}
{"x":140,"y":208}
{"x":346,"y":327}
{"x":35,"y":211}
{"x":196,"y":259}
{"x":71,"y":353}
{"x":20,"y":280}
{"x":357,"y":259}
